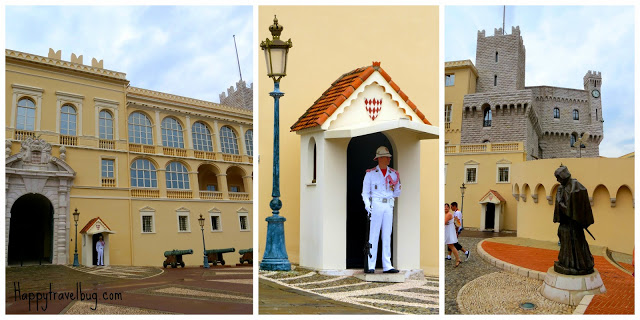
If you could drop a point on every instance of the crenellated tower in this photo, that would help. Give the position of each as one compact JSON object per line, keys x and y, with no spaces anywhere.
{"x":500,"y":60}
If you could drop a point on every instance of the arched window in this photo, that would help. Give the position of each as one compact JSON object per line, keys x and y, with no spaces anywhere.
{"x":177,"y":176}
{"x":26,"y":117}
{"x":228,"y":141}
{"x":495,"y":80}
{"x":248,"y":139}
{"x":143,"y":174}
{"x":172,"y":133}
{"x":201,"y":137}
{"x":140,"y":129}
{"x":574,"y":138}
{"x":106,"y":125}
{"x":68,"y":120}
{"x":576,"y":114}
{"x":496,"y":56}
{"x":556,"y":113}
{"x":487,"y":117}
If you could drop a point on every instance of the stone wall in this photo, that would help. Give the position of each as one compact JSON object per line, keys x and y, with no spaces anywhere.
{"x":509,"y":115}
{"x":510,"y":67}
{"x":556,"y":141}
{"x":239,"y":97}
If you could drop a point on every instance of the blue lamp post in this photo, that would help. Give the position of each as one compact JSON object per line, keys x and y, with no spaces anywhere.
{"x":76,"y":217}
{"x":275,"y":52}
{"x":205,"y":264}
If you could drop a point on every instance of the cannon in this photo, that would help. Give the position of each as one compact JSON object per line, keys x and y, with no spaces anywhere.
{"x":247,"y":255}
{"x":174,"y":257}
{"x":215,"y":255}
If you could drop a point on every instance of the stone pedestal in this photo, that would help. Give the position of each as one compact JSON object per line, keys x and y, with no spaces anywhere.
{"x":571,"y":289}
{"x":382,"y":277}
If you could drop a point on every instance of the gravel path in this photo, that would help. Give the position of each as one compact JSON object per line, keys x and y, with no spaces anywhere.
{"x":456,"y":278}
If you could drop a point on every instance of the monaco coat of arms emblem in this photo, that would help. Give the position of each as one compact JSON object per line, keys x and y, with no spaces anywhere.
{"x":373,"y":107}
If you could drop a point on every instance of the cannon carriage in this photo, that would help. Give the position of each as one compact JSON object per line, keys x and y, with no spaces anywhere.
{"x":246,"y":255}
{"x":214,"y":256}
{"x":174,"y":258}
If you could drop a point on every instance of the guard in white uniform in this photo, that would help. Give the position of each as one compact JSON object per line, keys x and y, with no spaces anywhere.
{"x":381,"y":185}
{"x":100,"y":249}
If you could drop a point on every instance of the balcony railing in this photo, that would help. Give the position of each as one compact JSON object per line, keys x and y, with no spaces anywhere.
{"x":179,"y":194}
{"x":23,"y":134}
{"x":250,"y":159}
{"x":210,"y":195}
{"x":174,"y":151}
{"x":69,"y":140}
{"x":145,"y":148}
{"x":238,"y":196}
{"x":106,"y":144}
{"x":145,"y":193}
{"x":204,"y":155}
{"x":447,"y":125}
{"x":485,"y":147}
{"x":108,"y":182}
{"x":231,"y":157}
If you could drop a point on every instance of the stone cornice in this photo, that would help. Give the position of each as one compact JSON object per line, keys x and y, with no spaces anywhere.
{"x":460,"y":64}
{"x":185,"y":101}
{"x":64,"y":64}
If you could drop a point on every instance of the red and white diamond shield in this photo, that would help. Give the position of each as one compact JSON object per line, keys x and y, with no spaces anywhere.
{"x":373,"y":107}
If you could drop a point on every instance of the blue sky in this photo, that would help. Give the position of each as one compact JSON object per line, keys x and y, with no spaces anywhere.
{"x":562,"y":44}
{"x":186,"y":50}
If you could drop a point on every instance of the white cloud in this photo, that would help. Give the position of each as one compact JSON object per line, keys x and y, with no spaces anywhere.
{"x":185,"y":50}
{"x":562,"y":44}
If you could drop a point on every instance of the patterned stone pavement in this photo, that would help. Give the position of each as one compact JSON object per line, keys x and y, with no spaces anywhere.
{"x":132,"y":290}
{"x":619,"y":298}
{"x":124,"y":272}
{"x":410,"y":297}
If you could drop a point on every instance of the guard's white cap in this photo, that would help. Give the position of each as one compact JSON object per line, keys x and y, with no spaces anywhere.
{"x":382,"y":152}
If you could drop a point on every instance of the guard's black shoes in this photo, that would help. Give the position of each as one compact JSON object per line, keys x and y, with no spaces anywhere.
{"x":391,"y":271}
{"x":370,"y":271}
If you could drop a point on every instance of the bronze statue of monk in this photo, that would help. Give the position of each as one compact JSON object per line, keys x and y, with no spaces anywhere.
{"x":573,"y":212}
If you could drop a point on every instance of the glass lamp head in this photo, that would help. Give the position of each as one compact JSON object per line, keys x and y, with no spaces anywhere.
{"x":276,"y":52}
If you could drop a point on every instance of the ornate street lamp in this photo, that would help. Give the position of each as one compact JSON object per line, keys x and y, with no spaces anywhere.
{"x":462,"y":189}
{"x":275,"y":53}
{"x":76,"y":217}
{"x":205,"y":264}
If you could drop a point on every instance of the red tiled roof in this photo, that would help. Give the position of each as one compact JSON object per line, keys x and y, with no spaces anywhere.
{"x":495,"y":193}
{"x":91,"y":222}
{"x":340,"y":90}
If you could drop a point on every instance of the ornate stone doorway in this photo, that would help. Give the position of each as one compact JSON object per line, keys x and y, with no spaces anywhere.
{"x":37,"y":194}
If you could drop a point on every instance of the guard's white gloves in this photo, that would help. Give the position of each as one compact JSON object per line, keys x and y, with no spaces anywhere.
{"x":367,"y":205}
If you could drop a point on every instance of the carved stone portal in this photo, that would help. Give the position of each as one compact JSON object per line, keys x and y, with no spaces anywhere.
{"x":35,"y":170}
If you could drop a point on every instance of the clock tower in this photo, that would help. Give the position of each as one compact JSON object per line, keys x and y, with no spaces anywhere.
{"x":592,"y":84}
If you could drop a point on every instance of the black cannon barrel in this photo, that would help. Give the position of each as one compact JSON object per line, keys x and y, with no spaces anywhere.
{"x":220,"y":250}
{"x":243,"y":251}
{"x":175,"y":252}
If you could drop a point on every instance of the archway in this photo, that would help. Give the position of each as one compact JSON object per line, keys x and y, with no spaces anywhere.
{"x":360,"y":154}
{"x":31,"y":230}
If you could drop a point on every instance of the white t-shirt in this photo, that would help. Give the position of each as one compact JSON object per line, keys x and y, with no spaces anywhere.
{"x":458,"y":215}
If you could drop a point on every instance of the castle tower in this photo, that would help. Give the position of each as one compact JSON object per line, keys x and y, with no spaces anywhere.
{"x":500,"y":60}
{"x":592,"y":84}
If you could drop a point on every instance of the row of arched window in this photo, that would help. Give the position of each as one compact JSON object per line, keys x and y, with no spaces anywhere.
{"x":140,"y":129}
{"x":556,"y":113}
{"x":141,"y":132}
{"x":143,"y":175}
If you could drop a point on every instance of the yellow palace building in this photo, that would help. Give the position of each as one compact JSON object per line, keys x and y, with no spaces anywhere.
{"x":140,"y":166}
